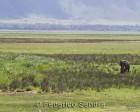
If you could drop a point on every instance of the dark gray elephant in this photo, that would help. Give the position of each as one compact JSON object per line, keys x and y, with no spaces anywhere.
{"x":125,"y":66}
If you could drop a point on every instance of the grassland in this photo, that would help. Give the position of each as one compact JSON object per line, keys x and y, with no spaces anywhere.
{"x":73,"y":48}
{"x":76,"y":66}
{"x":70,"y":43}
{"x":110,"y":100}
{"x":72,"y":35}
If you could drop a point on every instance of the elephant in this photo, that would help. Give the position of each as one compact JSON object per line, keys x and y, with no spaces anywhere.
{"x":125,"y":66}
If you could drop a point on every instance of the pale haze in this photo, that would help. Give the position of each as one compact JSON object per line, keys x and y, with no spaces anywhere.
{"x":109,"y":12}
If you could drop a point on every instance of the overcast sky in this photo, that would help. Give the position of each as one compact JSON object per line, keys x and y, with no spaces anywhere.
{"x":72,"y":11}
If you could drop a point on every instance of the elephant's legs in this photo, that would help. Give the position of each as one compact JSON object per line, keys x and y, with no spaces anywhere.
{"x":128,"y":69}
{"x":122,"y":70}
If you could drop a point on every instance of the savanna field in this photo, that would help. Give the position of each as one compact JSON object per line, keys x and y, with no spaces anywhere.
{"x":69,"y":72}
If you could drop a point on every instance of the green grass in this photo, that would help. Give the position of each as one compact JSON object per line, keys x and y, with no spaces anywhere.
{"x":85,"y":71}
{"x":57,"y":74}
{"x":73,"y":48}
{"x":112,"y":100}
{"x":72,"y":35}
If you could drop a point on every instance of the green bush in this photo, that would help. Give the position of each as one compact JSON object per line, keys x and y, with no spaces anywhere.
{"x":59,"y":73}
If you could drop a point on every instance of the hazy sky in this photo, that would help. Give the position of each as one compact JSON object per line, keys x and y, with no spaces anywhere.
{"x":80,"y":11}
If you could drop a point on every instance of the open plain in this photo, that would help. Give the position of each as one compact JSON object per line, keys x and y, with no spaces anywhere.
{"x":38,"y":69}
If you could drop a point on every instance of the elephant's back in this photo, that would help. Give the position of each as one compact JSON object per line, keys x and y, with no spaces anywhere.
{"x":124,"y":62}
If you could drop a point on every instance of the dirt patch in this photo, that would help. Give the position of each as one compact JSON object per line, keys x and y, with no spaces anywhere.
{"x":35,"y":40}
{"x":18,"y":93}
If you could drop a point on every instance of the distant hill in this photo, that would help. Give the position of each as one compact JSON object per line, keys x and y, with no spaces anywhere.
{"x":15,"y":9}
{"x":109,"y":12}
{"x":61,"y":27}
